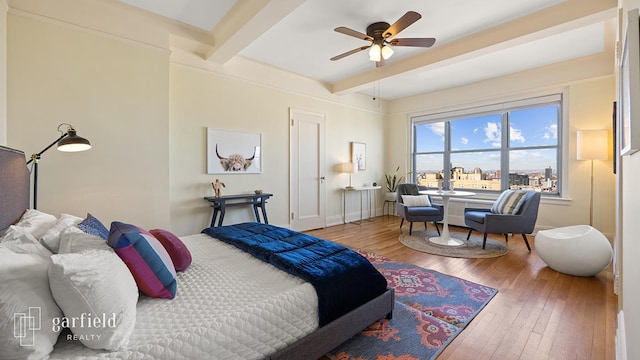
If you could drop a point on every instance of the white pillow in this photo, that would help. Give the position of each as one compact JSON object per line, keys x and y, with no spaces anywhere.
{"x":74,"y":240}
{"x":51,"y":238}
{"x":416,"y":200}
{"x":94,"y":285}
{"x":36,"y":222}
{"x":24,"y":296}
{"x":20,"y":240}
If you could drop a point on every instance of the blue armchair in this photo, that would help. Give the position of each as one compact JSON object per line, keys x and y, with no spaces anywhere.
{"x":434,"y":212}
{"x":521,"y":222}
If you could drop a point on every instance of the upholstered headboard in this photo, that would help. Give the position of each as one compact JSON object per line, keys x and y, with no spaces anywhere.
{"x":14,"y":186}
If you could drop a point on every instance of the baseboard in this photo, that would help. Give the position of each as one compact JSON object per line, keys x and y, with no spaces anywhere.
{"x":621,"y":342}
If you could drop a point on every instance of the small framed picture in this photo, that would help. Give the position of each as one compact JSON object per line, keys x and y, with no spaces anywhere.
{"x":359,"y":155}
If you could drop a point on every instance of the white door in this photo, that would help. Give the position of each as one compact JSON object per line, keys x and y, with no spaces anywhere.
{"x":307,"y":170}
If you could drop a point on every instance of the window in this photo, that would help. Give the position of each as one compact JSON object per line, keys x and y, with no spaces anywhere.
{"x":511,"y":145}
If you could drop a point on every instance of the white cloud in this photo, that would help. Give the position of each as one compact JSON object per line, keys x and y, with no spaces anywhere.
{"x":516,"y":135}
{"x":464,"y":140}
{"x":438,"y":128}
{"x":492,"y":133}
{"x":551,"y":132}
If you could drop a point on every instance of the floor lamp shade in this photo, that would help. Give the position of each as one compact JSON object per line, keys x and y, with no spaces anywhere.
{"x":592,"y":145}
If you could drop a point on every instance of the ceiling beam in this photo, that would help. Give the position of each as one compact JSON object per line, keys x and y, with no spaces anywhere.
{"x":244,"y":23}
{"x":567,"y":15}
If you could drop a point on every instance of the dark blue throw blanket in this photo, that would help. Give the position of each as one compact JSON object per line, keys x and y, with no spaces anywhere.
{"x":343,"y":279}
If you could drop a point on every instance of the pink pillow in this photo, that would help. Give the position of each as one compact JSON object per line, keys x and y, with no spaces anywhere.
{"x":177,"y":250}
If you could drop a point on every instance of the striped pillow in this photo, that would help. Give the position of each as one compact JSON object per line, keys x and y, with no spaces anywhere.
{"x":509,"y":202}
{"x":416,"y":200}
{"x":146,"y":258}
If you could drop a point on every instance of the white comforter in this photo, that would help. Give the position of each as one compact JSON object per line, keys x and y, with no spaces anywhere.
{"x":229,"y":305}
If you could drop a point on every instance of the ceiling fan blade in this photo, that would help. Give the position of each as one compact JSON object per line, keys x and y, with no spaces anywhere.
{"x":351,"y":32}
{"x":407,"y":19}
{"x":351,"y":52}
{"x":419,"y":42}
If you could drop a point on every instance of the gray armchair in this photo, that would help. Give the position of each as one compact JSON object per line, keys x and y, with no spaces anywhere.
{"x":434,"y":213}
{"x":522,"y":222}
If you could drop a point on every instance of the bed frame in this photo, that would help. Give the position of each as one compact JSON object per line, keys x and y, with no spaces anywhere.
{"x":14,"y":200}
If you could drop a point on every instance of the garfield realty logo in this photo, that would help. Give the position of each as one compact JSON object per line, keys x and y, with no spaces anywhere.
{"x":25,"y":326}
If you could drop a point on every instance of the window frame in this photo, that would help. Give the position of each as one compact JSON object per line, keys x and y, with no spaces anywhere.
{"x":502,"y":108}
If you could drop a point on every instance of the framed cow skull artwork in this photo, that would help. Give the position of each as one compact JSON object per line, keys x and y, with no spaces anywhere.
{"x":233,"y":152}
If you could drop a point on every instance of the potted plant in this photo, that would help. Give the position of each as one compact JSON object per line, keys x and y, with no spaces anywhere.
{"x":392,"y":181}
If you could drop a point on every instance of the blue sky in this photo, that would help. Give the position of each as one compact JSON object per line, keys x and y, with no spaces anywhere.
{"x":528,"y":127}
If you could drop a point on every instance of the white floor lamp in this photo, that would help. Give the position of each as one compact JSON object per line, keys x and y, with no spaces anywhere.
{"x":592,"y":145}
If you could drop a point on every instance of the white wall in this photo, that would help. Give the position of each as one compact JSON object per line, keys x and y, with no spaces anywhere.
{"x":628,"y":239}
{"x":3,"y":72}
{"x":116,"y":94}
{"x":202,"y":98}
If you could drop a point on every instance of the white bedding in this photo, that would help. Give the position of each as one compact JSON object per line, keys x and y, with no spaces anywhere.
{"x":229,"y":305}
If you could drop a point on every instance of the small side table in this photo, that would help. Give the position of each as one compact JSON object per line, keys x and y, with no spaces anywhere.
{"x":392,"y":207}
{"x":445,"y":238}
{"x":220,"y":204}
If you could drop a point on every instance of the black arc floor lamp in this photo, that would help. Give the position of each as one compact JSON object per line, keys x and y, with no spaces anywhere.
{"x":69,"y":141}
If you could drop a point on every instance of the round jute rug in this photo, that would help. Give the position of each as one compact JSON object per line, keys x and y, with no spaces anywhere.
{"x":471,"y":249}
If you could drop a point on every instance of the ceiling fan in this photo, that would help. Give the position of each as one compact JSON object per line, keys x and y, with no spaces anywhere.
{"x":381,"y":35}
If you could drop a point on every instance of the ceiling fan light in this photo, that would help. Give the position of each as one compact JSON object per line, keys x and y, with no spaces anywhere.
{"x":386,"y":52}
{"x":374,"y":52}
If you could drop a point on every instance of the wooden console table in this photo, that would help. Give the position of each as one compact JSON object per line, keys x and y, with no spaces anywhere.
{"x":219,"y":205}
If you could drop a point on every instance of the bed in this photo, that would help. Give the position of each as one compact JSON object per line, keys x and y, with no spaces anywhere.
{"x":228,"y":304}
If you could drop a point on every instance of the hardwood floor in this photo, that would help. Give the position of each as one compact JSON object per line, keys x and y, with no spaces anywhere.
{"x":538,"y":313}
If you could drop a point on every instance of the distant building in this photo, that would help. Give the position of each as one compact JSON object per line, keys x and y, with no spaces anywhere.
{"x":517,"y":180}
{"x":477,"y":180}
{"x":548,"y":173}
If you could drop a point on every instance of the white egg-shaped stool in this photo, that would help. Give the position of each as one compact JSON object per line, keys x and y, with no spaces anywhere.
{"x":579,"y":250}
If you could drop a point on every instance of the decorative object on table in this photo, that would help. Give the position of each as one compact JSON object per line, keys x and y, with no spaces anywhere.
{"x":579,"y":250}
{"x":430,"y":310}
{"x":510,"y":214}
{"x":440,"y":182}
{"x":217,"y":185}
{"x":414,"y":213}
{"x":392,"y":181}
{"x":470,"y":249}
{"x":348,"y":168}
{"x":359,"y":155}
{"x":257,"y":191}
{"x":69,"y":141}
{"x":591,"y":145}
{"x":452,"y":186}
{"x":233,"y":152}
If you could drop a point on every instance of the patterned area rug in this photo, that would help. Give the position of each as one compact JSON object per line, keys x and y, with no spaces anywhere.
{"x":471,"y":249}
{"x":431,"y":309}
